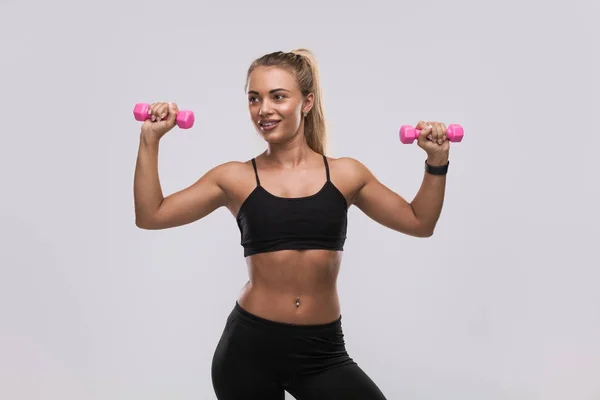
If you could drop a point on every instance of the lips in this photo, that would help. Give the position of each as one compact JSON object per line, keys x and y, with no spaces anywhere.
{"x":268,"y":122}
{"x":269,"y":125}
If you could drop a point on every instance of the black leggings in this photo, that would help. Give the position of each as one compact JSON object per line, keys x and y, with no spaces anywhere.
{"x":258,"y":359}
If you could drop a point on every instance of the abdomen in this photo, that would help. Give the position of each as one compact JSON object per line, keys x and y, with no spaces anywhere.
{"x":293,"y":286}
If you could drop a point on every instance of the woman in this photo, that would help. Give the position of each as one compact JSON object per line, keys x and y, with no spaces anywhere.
{"x":290,"y":203}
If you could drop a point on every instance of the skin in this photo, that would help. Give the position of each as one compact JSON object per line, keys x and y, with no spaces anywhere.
{"x":287,"y":168}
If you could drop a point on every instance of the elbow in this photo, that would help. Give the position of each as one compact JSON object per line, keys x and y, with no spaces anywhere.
{"x":146,"y":220}
{"x":424,"y":231}
{"x":145,"y":224}
{"x":147,"y":227}
{"x":420,"y":228}
{"x":415,"y":229}
{"x":152,"y":224}
{"x":427,"y":234}
{"x":142,"y":225}
{"x":423,"y":234}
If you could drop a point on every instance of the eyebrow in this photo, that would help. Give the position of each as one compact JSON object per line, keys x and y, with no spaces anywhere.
{"x":270,"y":91}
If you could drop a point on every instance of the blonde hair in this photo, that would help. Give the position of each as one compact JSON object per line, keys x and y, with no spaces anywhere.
{"x":303,"y":64}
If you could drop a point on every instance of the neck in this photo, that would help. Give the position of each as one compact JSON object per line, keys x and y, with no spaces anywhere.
{"x":289,"y":154}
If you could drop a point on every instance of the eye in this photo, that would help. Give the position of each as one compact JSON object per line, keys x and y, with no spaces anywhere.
{"x":251,"y":99}
{"x":279,"y":96}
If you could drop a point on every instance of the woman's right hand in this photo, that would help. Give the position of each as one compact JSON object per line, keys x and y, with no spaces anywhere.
{"x":163,"y":117}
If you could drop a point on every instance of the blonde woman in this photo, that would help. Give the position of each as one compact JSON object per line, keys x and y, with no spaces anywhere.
{"x":290,"y":203}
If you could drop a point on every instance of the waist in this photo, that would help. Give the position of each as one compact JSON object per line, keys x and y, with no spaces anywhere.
{"x":284,"y":309}
{"x":293,"y":287}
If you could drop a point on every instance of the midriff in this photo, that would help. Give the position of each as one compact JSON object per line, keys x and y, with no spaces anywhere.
{"x":293,"y":286}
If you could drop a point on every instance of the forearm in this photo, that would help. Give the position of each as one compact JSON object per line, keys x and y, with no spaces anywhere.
{"x":428,"y":202}
{"x":147,"y":192}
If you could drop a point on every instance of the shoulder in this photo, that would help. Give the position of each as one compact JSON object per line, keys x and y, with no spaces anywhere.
{"x":231,"y":167}
{"x":349,"y":175}
{"x":349,"y":167}
{"x":229,"y":174}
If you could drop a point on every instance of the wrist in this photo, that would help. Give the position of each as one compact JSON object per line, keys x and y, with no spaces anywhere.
{"x":437,"y":160}
{"x":439,"y":170}
{"x":149,"y":139}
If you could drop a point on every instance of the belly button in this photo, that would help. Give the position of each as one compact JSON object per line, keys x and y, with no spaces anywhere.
{"x":297,"y":302}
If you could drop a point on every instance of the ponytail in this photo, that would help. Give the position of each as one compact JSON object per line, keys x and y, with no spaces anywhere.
{"x":315,"y":129}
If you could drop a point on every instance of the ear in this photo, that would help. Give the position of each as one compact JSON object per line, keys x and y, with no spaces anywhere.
{"x":308,"y":103}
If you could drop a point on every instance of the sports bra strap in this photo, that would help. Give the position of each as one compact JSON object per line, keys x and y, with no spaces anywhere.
{"x":255,"y":172}
{"x":326,"y":167}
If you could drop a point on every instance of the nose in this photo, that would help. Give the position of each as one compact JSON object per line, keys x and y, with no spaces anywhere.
{"x":265,"y":108}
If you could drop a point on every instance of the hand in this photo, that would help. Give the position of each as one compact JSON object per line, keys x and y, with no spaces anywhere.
{"x":164,"y":116}
{"x":432,"y":139}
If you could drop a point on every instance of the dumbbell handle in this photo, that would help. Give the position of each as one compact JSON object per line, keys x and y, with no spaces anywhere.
{"x":408,"y":134}
{"x":185,"y":119}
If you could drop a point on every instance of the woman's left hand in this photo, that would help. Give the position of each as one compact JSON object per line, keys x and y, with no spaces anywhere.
{"x":432,"y":139}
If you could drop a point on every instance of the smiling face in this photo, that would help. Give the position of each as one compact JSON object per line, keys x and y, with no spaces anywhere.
{"x":276,"y":104}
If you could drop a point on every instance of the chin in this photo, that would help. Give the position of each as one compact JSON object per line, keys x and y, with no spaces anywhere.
{"x":273,"y":138}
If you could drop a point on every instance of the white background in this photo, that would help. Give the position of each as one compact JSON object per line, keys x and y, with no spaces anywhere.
{"x":503,"y":302}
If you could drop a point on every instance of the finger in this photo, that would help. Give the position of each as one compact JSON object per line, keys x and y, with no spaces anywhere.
{"x":425,"y":133}
{"x":438,"y":132}
{"x":432,"y":134}
{"x":162,"y":111}
{"x":172,"y":113}
{"x":430,"y":129}
{"x":153,"y":108}
{"x":421,"y":126}
{"x":150,"y":111}
{"x":444,"y":131}
{"x":159,"y":111}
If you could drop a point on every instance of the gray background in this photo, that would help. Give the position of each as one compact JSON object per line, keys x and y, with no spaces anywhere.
{"x":503,"y":302}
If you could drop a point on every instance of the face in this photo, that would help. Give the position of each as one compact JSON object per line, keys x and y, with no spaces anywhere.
{"x":276,"y":104}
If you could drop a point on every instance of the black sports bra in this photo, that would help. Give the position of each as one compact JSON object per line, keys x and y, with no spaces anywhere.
{"x":270,"y":223}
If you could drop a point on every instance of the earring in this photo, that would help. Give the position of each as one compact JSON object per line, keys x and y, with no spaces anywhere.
{"x":305,"y":114}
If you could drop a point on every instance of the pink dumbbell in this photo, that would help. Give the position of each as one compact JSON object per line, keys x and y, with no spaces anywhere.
{"x":408,"y":134}
{"x":185,"y":119}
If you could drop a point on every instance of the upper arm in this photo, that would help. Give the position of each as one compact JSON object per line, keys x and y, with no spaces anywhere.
{"x":192,"y":203}
{"x":385,"y":206}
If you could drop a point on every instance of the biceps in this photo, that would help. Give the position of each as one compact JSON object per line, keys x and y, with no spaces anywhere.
{"x":190,"y":204}
{"x":387,"y":208}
